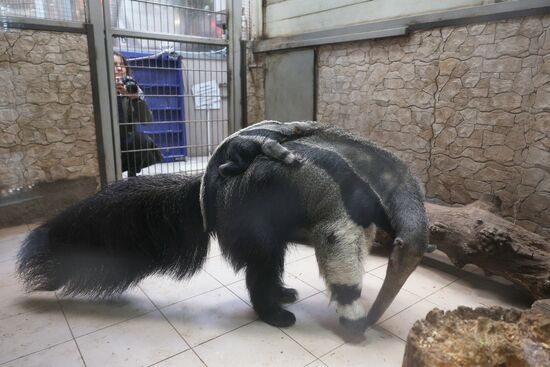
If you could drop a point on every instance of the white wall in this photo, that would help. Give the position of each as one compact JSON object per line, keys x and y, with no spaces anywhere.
{"x":293,"y":17}
{"x":197,"y":71}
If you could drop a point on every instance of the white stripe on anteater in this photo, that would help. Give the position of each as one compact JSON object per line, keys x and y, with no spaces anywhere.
{"x":353,"y":311}
{"x":269,"y":146}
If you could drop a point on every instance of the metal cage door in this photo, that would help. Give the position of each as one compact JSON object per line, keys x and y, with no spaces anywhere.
{"x":167,"y":75}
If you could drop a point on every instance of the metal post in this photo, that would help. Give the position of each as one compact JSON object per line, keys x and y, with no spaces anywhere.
{"x":234,"y":65}
{"x":106,"y":107}
{"x":208,"y":131}
{"x":96,"y":104}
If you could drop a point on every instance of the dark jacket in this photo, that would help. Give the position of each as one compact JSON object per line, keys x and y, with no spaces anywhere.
{"x":138,"y":149}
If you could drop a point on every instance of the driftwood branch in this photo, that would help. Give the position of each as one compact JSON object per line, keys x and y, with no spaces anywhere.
{"x":475,"y":234}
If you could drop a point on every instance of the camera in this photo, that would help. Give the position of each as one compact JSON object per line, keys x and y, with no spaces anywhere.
{"x":130,"y":84}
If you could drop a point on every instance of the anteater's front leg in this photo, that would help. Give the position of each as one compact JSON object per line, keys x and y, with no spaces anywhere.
{"x":340,"y":248}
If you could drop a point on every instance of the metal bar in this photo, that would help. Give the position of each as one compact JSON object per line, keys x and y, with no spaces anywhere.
{"x":181,"y":7}
{"x":110,"y":77}
{"x":161,"y":68}
{"x":96,"y":104}
{"x":102,"y":73}
{"x":234,"y":65}
{"x":483,"y":15}
{"x":172,"y":146}
{"x":291,"y":42}
{"x":315,"y":82}
{"x":42,"y":24}
{"x":244,"y":104}
{"x":168,"y":37}
{"x":395,"y":27}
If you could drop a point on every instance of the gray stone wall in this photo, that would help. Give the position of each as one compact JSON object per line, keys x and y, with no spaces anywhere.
{"x":47,"y":128}
{"x":468,"y":107}
{"x":255,"y":81}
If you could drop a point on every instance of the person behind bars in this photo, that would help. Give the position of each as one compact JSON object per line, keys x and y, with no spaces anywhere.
{"x":138,"y":149}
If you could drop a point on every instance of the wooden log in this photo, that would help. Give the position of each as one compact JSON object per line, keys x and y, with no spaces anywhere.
{"x":475,"y":234}
{"x":481,"y":337}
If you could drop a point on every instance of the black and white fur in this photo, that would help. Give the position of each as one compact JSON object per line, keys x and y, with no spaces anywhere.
{"x":342,"y":187}
{"x":264,"y":138}
{"x":112,"y":240}
{"x":145,"y":225}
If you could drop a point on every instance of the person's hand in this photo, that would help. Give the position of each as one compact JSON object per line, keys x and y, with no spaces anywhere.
{"x":121,"y":89}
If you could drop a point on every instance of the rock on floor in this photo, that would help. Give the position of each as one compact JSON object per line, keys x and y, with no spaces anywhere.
{"x":481,"y":337}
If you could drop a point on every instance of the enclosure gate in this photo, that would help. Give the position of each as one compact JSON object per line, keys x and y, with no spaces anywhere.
{"x":182,"y":99}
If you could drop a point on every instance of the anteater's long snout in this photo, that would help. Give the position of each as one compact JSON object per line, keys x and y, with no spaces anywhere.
{"x":403,"y":260}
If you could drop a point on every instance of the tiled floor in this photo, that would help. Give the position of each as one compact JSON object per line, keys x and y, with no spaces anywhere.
{"x":208,"y":320}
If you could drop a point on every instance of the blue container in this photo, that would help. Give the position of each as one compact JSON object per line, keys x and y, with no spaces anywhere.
{"x":161,"y":80}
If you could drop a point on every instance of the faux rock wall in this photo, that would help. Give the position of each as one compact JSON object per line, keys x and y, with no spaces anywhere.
{"x":255,"y":79}
{"x":47,"y":128}
{"x":468,"y":107}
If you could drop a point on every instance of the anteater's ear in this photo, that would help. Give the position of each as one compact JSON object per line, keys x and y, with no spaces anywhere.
{"x":431,"y":247}
{"x":398,"y":242}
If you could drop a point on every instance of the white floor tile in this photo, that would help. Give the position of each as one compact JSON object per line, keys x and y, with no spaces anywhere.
{"x":257,"y":344}
{"x":10,"y":247}
{"x":290,"y":281}
{"x":86,"y":315}
{"x":34,"y":225}
{"x":209,"y":315}
{"x":453,"y":296}
{"x":14,"y":300}
{"x":239,"y":289}
{"x":402,"y":323}
{"x":380,"y":349}
{"x":316,"y":363}
{"x":465,"y":293}
{"x":317,"y":328}
{"x":164,"y":290}
{"x":471,"y":268}
{"x":440,"y":256}
{"x":9,"y":233}
{"x":185,"y":359}
{"x":220,"y":269}
{"x":371,"y":287}
{"x":8,"y":277}
{"x":374,"y":262}
{"x":33,"y":331}
{"x":141,"y":341}
{"x":307,"y":270}
{"x":423,"y":281}
{"x":65,"y":355}
{"x":297,"y":252}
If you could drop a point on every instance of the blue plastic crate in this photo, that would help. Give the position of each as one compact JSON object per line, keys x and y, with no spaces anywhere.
{"x":161,"y":80}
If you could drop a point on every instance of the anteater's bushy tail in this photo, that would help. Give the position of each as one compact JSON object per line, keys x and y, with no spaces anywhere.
{"x":112,"y":240}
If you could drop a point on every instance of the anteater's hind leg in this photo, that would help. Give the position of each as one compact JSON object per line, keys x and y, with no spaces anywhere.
{"x":263,"y":279}
{"x":262,"y":256}
{"x":340,"y":248}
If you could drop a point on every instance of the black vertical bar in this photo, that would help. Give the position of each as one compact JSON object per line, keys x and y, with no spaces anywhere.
{"x":95,"y":101}
{"x":244,"y":98}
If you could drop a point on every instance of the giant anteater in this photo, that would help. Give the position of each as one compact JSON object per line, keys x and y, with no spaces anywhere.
{"x":264,"y":187}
